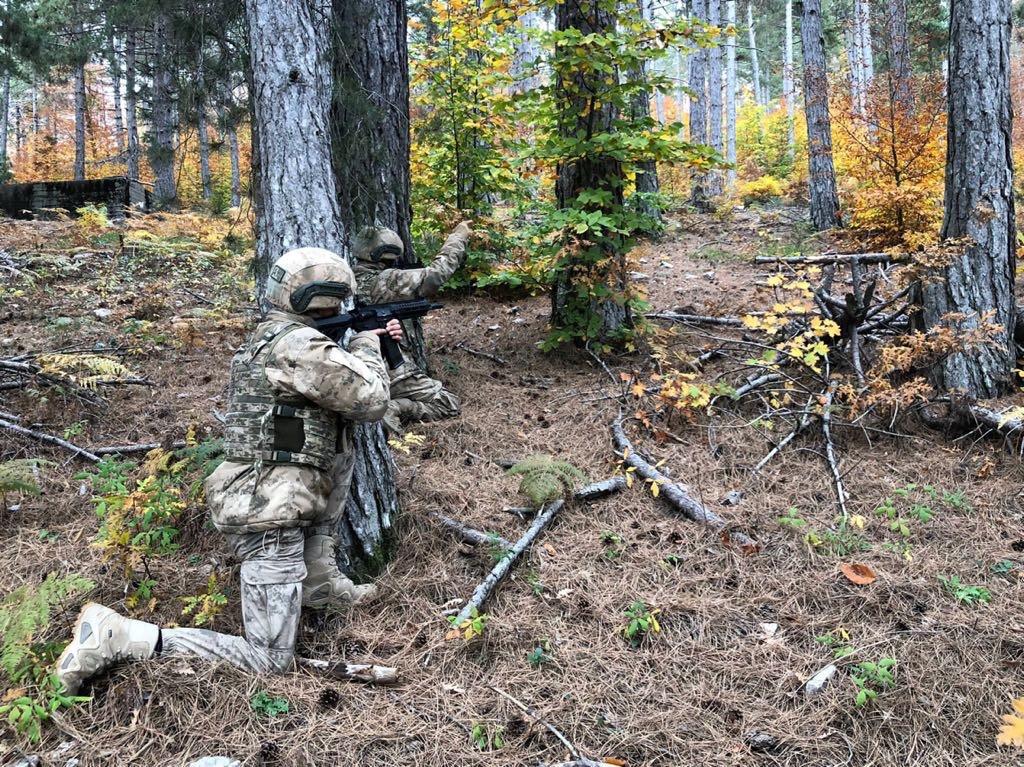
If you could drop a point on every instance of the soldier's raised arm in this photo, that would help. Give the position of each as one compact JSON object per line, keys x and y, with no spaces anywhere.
{"x":377,"y":250}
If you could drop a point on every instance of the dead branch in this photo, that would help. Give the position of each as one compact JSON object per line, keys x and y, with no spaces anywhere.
{"x":830,"y":452}
{"x":483,"y":592}
{"x":476,"y":353}
{"x":600,"y":489}
{"x":805,"y":421}
{"x":676,"y":494}
{"x":49,"y":439}
{"x":353,"y":672}
{"x":575,"y":752}
{"x":469,"y":534}
{"x":140,"y":448}
{"x":696,"y":319}
{"x":756,"y":383}
{"x":996,"y":421}
{"x":831,"y":258}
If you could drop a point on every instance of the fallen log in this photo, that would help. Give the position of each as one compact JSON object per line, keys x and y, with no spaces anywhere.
{"x":353,"y":672}
{"x":676,"y":494}
{"x":696,"y":319}
{"x":49,"y":439}
{"x":832,"y":258}
{"x":483,"y":592}
{"x":469,"y":534}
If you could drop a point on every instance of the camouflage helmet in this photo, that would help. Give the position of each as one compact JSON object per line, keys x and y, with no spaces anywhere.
{"x":375,"y":243}
{"x":310,"y":278}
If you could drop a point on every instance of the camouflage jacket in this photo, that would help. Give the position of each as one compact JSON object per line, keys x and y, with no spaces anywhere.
{"x":353,"y":383}
{"x":378,"y":283}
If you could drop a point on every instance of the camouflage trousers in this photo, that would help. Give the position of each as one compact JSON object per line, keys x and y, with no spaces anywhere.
{"x":418,"y":397}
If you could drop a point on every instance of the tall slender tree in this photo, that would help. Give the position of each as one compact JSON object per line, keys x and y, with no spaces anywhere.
{"x":699,"y":193}
{"x":730,"y":92}
{"x":163,"y":135}
{"x":715,"y":105}
{"x":755,"y":66}
{"x":788,"y":76}
{"x":79,"y":59}
{"x":898,"y":50}
{"x":640,"y":111}
{"x":977,"y":284}
{"x":822,"y":174}
{"x":131,"y":105}
{"x":113,"y":59}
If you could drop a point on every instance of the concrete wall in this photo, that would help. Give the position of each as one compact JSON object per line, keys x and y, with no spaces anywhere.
{"x":35,"y":199}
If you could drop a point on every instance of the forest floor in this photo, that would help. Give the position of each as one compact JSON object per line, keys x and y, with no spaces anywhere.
{"x":721,"y":683}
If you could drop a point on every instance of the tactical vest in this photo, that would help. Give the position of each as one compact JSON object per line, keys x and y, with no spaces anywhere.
{"x":265,"y":427}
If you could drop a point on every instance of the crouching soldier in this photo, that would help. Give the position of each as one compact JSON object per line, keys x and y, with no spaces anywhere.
{"x":288,"y":443}
{"x":415,"y":396}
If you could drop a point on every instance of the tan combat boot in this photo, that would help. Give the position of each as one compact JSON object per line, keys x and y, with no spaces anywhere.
{"x":325,"y":586}
{"x":101,"y":639}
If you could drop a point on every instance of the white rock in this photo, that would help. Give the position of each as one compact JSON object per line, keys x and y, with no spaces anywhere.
{"x":769,"y":629}
{"x":102,"y":313}
{"x":817,"y":682}
{"x":215,"y":761}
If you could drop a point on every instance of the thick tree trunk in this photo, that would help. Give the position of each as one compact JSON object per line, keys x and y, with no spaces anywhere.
{"x":291,"y":46}
{"x":579,"y":117}
{"x":131,"y":106}
{"x":715,"y":98}
{"x":115,"y":87}
{"x":824,"y":198}
{"x":898,"y":44}
{"x":201,"y":129}
{"x":788,"y":75}
{"x":978,"y":282}
{"x":699,"y":195}
{"x":755,"y":65}
{"x":79,"y":120}
{"x":161,"y":146}
{"x":640,"y":111}
{"x":730,"y":94}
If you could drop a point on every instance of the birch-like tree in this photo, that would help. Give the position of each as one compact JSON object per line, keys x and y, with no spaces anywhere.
{"x":730,"y":93}
{"x":755,"y":66}
{"x":788,"y":84}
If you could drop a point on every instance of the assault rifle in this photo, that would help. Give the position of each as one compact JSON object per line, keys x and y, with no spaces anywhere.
{"x":373,"y":316}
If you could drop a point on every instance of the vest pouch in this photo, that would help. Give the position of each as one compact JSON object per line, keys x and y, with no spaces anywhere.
{"x":289,"y":430}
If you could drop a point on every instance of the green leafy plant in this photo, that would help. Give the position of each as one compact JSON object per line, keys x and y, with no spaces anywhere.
{"x":19,"y":476}
{"x":539,"y":655}
{"x":470,"y":628}
{"x":641,"y":623}
{"x":26,"y":658}
{"x":269,"y":705}
{"x":613,"y":545}
{"x":871,"y":677}
{"x":962,"y":592}
{"x":486,"y":738}
{"x":205,"y":606}
{"x":791,"y":518}
{"x":545,"y":479}
{"x":496,"y":549}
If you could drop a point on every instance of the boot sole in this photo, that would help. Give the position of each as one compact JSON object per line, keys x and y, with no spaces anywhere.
{"x":73,"y":644}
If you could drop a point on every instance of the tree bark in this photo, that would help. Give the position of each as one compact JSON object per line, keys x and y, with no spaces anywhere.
{"x":755,"y":66}
{"x":115,"y":87}
{"x":524,"y":67}
{"x":730,"y":94}
{"x":979,"y":204}
{"x":788,"y":85}
{"x":699,"y":196}
{"x":715,"y":105}
{"x":290,"y":55}
{"x":201,"y":128}
{"x":164,"y":128}
{"x":640,"y":111}
{"x":80,"y":120}
{"x":579,"y":116}
{"x":898,"y":44}
{"x":236,"y":174}
{"x":682,"y":96}
{"x":824,"y":197}
{"x":131,"y":108}
{"x":5,"y":102}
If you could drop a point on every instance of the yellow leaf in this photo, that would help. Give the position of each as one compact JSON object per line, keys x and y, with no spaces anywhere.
{"x":1011,"y":732}
{"x":858,"y":521}
{"x":774,"y":281}
{"x":637,"y":389}
{"x":655,"y":490}
{"x":629,"y":479}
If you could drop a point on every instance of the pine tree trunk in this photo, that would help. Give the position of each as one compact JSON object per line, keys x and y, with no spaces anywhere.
{"x":867,"y":48}
{"x":579,"y":117}
{"x":857,"y":102}
{"x":236,"y":174}
{"x":730,"y":94}
{"x":788,"y":84}
{"x":682,"y":95}
{"x":79,"y":120}
{"x":131,"y":107}
{"x":201,"y":129}
{"x":754,"y":62}
{"x":37,"y":117}
{"x":291,"y":46}
{"x":824,"y":198}
{"x":979,"y":203}
{"x":640,"y":111}
{"x":699,"y":195}
{"x":5,"y":102}
{"x":115,"y":87}
{"x":898,"y":44}
{"x":19,"y":128}
{"x":161,"y":147}
{"x":715,"y":106}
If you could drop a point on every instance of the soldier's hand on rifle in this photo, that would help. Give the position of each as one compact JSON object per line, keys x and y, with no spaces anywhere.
{"x":392,"y":329}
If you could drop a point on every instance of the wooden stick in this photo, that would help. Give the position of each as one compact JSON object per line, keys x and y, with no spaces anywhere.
{"x":141,"y":448}
{"x":49,"y":439}
{"x":483,"y":592}
{"x":469,"y":534}
{"x":830,"y":453}
{"x":831,"y":258}
{"x":696,"y":319}
{"x":575,"y":752}
{"x":600,"y":489}
{"x":353,"y":672}
{"x":476,"y":353}
{"x":805,"y":421}
{"x":676,"y":495}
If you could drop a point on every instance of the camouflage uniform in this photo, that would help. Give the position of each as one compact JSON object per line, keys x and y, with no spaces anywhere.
{"x":415,"y":396}
{"x":294,"y":397}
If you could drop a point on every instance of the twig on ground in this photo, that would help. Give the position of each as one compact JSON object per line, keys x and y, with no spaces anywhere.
{"x":49,"y":439}
{"x":353,"y":672}
{"x":140,"y":448}
{"x":477,"y":353}
{"x":575,"y":752}
{"x":197,"y":296}
{"x":696,"y":319}
{"x":676,"y":494}
{"x":469,"y":534}
{"x":805,"y":421}
{"x":483,"y":592}
{"x":830,"y":452}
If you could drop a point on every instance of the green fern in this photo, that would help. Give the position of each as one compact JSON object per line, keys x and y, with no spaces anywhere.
{"x":207,"y":455}
{"x":85,"y":370}
{"x":25,"y":614}
{"x":19,"y":476}
{"x":545,"y":479}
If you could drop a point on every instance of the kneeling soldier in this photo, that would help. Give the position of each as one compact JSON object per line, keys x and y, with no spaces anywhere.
{"x":288,"y":440}
{"x":415,"y":396}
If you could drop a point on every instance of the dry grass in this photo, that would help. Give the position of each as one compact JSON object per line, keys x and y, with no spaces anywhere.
{"x":687,"y":695}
